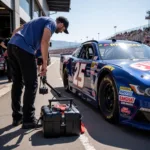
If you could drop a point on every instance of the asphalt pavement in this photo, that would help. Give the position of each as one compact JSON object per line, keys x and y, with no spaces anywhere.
{"x":99,"y":135}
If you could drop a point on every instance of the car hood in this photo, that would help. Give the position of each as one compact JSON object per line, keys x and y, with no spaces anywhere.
{"x":138,"y":68}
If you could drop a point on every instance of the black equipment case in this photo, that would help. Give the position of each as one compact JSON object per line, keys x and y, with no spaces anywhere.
{"x":60,"y":119}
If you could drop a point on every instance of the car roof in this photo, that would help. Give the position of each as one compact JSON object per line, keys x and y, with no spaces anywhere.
{"x":111,"y":41}
{"x":117,"y":41}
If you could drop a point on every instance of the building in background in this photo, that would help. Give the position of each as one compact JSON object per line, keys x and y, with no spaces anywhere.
{"x":16,"y":12}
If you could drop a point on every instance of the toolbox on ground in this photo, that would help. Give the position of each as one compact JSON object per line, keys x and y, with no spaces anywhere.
{"x":60,"y":119}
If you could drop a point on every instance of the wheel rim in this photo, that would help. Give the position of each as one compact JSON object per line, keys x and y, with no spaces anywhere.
{"x":108,"y":95}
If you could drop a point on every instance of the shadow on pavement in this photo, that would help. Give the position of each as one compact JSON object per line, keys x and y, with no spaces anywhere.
{"x":38,"y":139}
{"x":4,"y":139}
{"x":3,"y":79}
{"x":113,"y":135}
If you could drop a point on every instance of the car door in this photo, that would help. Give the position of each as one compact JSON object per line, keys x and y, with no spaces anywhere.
{"x":77,"y":70}
{"x":81,"y":69}
{"x":89,"y":60}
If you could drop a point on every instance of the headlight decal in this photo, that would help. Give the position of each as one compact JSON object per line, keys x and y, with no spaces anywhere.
{"x":140,"y":90}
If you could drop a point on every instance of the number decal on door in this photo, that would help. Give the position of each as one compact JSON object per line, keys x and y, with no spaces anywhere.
{"x":78,"y":78}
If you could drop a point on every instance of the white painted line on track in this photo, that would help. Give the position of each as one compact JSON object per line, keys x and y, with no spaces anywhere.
{"x":5,"y":90}
{"x":51,"y":64}
{"x":85,"y":141}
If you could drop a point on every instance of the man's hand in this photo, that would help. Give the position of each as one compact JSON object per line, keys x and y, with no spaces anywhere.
{"x":43,"y":70}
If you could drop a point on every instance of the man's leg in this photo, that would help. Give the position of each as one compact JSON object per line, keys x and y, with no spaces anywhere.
{"x":17,"y":86}
{"x":9,"y":75}
{"x":29,"y":72}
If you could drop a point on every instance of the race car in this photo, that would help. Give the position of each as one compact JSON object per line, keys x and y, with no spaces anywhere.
{"x":113,"y":75}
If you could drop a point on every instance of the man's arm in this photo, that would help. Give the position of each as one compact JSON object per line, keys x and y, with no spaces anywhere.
{"x":45,"y":45}
{"x":16,"y":30}
{"x":3,"y":45}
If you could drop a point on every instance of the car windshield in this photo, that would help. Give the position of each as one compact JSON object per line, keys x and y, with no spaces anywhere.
{"x":124,"y":51}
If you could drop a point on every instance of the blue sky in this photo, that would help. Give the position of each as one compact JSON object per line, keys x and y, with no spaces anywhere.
{"x":90,"y":17}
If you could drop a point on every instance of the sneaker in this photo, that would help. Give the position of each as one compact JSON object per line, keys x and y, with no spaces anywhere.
{"x":31,"y":125}
{"x":17,"y":122}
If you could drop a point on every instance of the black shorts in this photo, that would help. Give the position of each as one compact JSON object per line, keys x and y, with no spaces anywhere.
{"x":39,"y":61}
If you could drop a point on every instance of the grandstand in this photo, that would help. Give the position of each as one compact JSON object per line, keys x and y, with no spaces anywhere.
{"x":141,"y":34}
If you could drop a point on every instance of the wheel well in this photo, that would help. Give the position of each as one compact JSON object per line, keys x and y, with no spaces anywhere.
{"x":102,"y":75}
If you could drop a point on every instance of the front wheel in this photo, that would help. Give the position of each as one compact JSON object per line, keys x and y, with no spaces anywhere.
{"x":108,"y":99}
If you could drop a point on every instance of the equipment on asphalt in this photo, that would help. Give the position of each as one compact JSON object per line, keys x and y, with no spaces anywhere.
{"x":43,"y":89}
{"x":60,"y":119}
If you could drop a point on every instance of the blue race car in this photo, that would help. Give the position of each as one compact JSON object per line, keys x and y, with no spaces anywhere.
{"x":113,"y":75}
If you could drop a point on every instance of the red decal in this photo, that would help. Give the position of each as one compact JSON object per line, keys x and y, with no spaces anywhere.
{"x":126,"y":99}
{"x":125,"y":110}
{"x":144,"y":66}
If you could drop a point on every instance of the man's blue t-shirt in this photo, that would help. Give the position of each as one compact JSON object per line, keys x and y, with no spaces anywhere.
{"x":29,"y":38}
{"x":38,"y":53}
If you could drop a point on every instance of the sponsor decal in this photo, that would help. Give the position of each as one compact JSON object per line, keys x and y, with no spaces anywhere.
{"x":127,"y":104}
{"x":144,"y":104}
{"x":125,"y":116}
{"x":94,"y":65}
{"x":106,"y":44}
{"x":126,"y":99}
{"x":125,"y":110}
{"x":144,"y":66}
{"x":125,"y":88}
{"x":109,"y":67}
{"x":126,"y":44}
{"x":92,"y":72}
{"x":125,"y":92}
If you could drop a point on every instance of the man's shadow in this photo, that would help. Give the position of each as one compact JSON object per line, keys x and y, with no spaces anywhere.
{"x":5,"y":138}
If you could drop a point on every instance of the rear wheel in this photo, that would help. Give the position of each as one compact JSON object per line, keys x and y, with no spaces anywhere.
{"x":108,"y":99}
{"x":65,"y":80}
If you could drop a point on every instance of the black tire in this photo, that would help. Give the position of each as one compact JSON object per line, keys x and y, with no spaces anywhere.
{"x":65,"y":80}
{"x":108,"y":99}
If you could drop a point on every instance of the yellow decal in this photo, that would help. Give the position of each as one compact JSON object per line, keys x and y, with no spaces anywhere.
{"x":125,"y":88}
{"x":109,"y":67}
{"x":94,"y":64}
{"x":113,"y":44}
